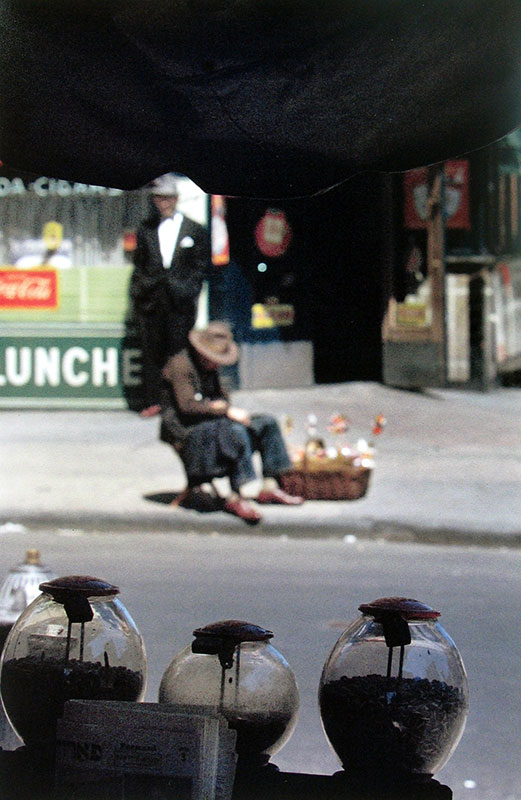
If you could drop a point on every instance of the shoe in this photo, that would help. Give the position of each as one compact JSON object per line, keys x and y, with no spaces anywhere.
{"x":196,"y":499}
{"x":150,"y":411}
{"x":279,"y":497}
{"x":242,"y":509}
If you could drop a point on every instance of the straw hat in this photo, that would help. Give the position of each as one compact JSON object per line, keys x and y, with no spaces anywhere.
{"x":215,"y":342}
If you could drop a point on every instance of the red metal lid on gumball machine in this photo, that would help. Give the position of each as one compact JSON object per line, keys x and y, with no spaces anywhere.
{"x":73,"y":592}
{"x":221,"y":638}
{"x":235,"y":629}
{"x":406,"y":607}
{"x":78,"y":584}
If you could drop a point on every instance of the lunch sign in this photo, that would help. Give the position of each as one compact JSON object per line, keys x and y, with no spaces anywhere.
{"x":67,"y":366}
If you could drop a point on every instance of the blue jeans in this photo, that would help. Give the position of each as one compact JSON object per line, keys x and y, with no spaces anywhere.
{"x":263,"y":435}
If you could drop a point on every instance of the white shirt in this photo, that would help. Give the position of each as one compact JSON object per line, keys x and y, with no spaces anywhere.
{"x":168,"y":232}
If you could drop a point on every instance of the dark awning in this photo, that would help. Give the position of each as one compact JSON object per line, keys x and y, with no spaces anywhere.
{"x":253,"y":97}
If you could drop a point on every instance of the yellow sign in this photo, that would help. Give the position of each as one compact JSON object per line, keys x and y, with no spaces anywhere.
{"x":272,"y":315}
{"x":412,"y":315}
{"x":52,"y":235}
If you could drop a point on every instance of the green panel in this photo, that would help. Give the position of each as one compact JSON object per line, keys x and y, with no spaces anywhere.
{"x":86,"y":294}
{"x":107,"y":294}
{"x":68,"y":296}
{"x":68,"y":365}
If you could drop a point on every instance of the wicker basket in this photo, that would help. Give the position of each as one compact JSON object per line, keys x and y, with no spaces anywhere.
{"x":349,"y":483}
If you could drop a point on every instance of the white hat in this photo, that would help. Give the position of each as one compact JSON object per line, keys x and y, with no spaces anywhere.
{"x":165,"y":186}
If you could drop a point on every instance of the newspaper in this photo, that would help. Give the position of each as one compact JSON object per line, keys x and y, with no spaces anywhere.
{"x":185,"y":748}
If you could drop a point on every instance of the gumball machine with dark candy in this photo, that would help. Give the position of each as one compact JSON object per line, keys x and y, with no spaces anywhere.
{"x":75,"y":641}
{"x":393,"y":694}
{"x":20,"y":587}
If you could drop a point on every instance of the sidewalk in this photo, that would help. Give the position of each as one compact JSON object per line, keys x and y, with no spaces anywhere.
{"x":447,"y":468}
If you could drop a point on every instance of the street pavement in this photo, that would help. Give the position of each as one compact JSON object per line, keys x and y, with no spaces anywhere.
{"x":447,"y":468}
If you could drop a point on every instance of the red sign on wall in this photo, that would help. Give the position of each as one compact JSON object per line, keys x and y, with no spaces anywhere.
{"x":28,"y":288}
{"x":457,"y":207}
{"x":273,"y":233}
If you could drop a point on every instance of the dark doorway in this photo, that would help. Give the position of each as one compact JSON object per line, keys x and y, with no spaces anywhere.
{"x":334,"y":272}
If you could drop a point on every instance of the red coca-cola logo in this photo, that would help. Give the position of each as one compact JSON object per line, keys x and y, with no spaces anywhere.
{"x":28,"y":288}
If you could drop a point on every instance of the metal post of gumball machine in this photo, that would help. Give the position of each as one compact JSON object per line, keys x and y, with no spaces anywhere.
{"x":19,"y":589}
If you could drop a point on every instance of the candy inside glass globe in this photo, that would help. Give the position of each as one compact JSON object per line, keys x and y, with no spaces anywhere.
{"x":75,"y":641}
{"x":393,"y":693}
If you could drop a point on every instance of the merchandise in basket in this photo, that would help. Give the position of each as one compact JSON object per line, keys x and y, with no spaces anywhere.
{"x":326,"y":472}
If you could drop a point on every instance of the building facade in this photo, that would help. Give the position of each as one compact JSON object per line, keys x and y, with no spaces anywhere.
{"x":377,"y":279}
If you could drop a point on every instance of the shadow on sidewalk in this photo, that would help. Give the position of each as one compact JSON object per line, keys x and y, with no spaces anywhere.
{"x":200,"y":501}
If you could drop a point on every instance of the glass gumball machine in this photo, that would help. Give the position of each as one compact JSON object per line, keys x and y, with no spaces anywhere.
{"x":393,"y":693}
{"x":20,"y":587}
{"x":75,"y":641}
{"x":232,"y":668}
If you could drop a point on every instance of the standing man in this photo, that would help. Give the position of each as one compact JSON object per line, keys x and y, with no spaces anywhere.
{"x":170,"y":263}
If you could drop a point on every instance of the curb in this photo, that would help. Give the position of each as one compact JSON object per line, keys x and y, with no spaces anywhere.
{"x":192,"y":522}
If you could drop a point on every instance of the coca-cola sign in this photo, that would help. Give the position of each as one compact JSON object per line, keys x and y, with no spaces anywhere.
{"x":28,"y":288}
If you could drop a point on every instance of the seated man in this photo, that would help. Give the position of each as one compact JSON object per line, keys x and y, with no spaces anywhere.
{"x":213,"y":437}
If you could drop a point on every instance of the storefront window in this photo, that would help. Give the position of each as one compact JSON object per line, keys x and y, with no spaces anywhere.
{"x":80,"y":238}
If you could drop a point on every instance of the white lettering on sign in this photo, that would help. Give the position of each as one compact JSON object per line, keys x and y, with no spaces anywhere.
{"x":15,"y":186}
{"x":76,"y":366}
{"x":18,"y":365}
{"x":104,"y":365}
{"x":44,"y":187}
{"x":69,"y":367}
{"x":131,"y":372}
{"x":47,"y":366}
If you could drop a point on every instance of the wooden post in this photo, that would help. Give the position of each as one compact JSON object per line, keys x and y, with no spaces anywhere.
{"x":436,"y":257}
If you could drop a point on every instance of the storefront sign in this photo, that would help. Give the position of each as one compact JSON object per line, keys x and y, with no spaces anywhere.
{"x":28,"y":288}
{"x":49,"y":187}
{"x":272,"y":315}
{"x":65,"y":367}
{"x":55,"y":223}
{"x":273,"y":233}
{"x":457,"y":206}
{"x":412,"y":315}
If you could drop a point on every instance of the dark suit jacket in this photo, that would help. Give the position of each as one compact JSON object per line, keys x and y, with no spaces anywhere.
{"x":153,"y":288}
{"x":203,"y":436}
{"x":187,"y":391}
